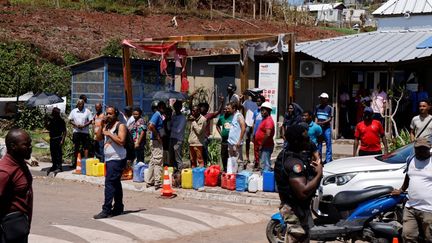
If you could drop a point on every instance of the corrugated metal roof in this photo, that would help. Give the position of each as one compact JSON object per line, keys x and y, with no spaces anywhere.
{"x":372,"y":47}
{"x":398,"y":7}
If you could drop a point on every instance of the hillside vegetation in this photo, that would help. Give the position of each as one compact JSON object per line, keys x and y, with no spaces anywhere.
{"x":38,"y":38}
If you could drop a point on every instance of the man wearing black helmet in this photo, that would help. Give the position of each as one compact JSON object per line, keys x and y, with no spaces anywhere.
{"x":232,"y":96}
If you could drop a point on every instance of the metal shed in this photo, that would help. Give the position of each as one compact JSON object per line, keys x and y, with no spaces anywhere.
{"x":101,"y":80}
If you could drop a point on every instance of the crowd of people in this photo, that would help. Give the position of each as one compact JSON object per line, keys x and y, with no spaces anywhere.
{"x":241,"y":120}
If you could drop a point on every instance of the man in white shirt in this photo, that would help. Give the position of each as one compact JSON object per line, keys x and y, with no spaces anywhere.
{"x":417,"y":215}
{"x":80,"y":118}
{"x":421,"y":125}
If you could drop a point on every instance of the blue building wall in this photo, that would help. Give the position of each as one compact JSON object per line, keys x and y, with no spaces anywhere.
{"x":101,"y":80}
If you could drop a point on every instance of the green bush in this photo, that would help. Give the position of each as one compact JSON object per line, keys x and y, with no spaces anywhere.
{"x":113,"y":48}
{"x":402,"y":140}
{"x":30,"y":119}
{"x":22,"y":70}
{"x":68,"y":146}
{"x":214,"y":151}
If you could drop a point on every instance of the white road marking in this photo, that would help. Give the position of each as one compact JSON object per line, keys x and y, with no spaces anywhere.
{"x":215,"y":221}
{"x":247,"y":216}
{"x":141,"y":230}
{"x":94,"y":236}
{"x":183,"y":227}
{"x":45,"y":239}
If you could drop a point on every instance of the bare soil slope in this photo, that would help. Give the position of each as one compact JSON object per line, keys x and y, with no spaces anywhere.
{"x":84,"y":34}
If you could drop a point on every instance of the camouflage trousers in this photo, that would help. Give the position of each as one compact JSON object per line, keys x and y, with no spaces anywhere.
{"x":298,"y":223}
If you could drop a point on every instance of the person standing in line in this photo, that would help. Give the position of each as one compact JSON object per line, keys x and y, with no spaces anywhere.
{"x":209,"y":116}
{"x":16,"y":190}
{"x":127,"y":117}
{"x":178,"y":124}
{"x":314,"y":130}
{"x":232,"y":96}
{"x":84,"y":98}
{"x":223,"y":127}
{"x":98,"y":124}
{"x":369,"y":132}
{"x":421,"y":125}
{"x":155,"y":166}
{"x":264,"y":136}
{"x":292,"y":117}
{"x":323,"y":117}
{"x":248,"y":108}
{"x":114,"y":134}
{"x":57,"y":132}
{"x":417,"y":215}
{"x":197,"y":137}
{"x":80,"y":118}
{"x":138,"y":130}
{"x":379,"y":103}
{"x":257,"y":118}
{"x":235,"y":137}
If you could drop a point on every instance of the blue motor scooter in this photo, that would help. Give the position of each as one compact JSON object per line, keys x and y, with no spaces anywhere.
{"x":371,"y":215}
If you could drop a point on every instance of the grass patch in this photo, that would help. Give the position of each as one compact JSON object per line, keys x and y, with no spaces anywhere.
{"x":345,"y":31}
{"x":39,"y":136}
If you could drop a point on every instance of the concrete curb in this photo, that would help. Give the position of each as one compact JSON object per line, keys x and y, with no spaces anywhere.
{"x":206,"y":193}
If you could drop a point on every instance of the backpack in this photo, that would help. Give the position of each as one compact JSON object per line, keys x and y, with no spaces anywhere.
{"x":129,"y":144}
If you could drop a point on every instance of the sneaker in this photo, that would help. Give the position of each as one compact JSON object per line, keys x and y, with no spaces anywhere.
{"x":158,"y":187}
{"x":102,"y":215}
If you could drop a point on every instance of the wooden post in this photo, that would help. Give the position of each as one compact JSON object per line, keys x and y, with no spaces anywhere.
{"x":292,"y":67}
{"x":244,"y":70}
{"x":127,"y":76}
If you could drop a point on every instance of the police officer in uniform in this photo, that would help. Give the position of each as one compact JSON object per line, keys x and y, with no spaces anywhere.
{"x":297,"y":178}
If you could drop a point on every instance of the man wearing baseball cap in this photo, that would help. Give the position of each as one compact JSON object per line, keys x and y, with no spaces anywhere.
{"x":323,"y":117}
{"x":264,"y":136}
{"x":417,"y":215}
{"x":369,"y":132}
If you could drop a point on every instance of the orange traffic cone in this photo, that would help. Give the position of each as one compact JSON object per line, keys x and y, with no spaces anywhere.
{"x":167,"y":191}
{"x":395,"y":240}
{"x":78,"y":165}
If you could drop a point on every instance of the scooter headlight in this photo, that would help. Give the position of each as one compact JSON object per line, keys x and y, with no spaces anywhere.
{"x":339,"y":180}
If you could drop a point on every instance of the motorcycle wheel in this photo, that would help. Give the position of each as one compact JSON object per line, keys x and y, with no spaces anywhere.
{"x":275,"y":232}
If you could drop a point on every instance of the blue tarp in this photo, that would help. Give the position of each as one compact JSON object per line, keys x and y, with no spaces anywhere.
{"x":425,"y":44}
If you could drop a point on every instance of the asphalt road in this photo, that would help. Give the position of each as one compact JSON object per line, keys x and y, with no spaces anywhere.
{"x":63,"y":212}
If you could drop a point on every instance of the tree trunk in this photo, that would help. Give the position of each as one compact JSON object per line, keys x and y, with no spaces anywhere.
{"x":233,"y":9}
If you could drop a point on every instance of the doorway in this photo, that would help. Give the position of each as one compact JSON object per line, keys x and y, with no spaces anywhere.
{"x":223,"y":75}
